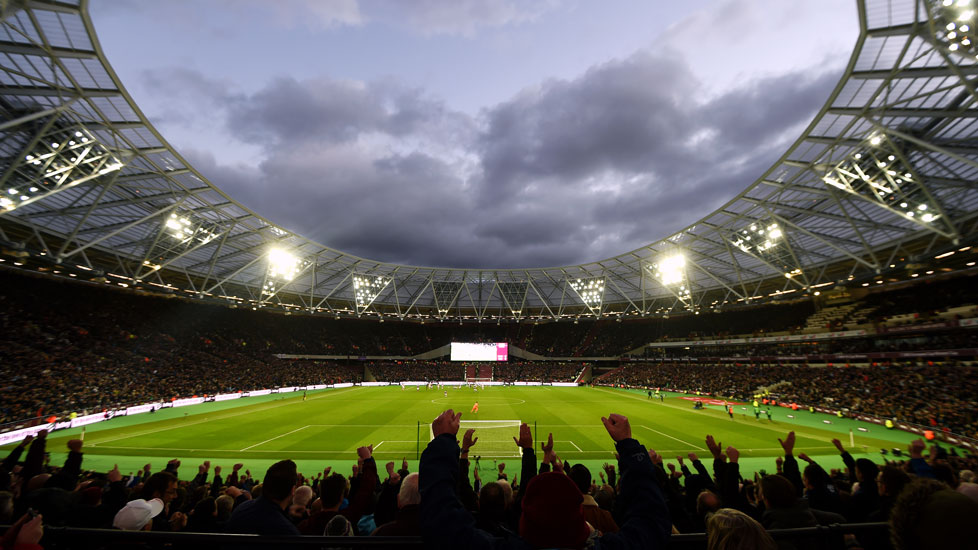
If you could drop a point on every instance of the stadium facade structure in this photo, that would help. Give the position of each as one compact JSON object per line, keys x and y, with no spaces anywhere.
{"x":884,"y":176}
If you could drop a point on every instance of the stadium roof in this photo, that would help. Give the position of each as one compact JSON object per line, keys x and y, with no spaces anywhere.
{"x":884,"y":175}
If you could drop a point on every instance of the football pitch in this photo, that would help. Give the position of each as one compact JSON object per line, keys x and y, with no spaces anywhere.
{"x":326,"y":428}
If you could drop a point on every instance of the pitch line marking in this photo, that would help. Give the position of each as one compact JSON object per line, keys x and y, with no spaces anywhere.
{"x":377,"y":446}
{"x":671,"y":437}
{"x":211,"y":419}
{"x":797,"y":428}
{"x":272,"y":439}
{"x":575,"y":446}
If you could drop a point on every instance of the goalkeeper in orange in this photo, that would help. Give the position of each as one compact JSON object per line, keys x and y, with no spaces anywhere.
{"x":475,"y":408}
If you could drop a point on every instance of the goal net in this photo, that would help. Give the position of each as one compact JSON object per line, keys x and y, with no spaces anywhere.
{"x":495,"y":437}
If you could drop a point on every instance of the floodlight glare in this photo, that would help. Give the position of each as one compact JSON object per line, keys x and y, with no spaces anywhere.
{"x":672,"y":270}
{"x":282,"y":264}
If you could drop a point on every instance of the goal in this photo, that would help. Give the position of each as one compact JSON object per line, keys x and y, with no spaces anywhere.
{"x":495,"y":437}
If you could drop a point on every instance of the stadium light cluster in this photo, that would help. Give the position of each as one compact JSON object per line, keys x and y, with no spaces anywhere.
{"x":282,"y":265}
{"x":759,"y":238}
{"x":671,"y":272}
{"x":366,"y":288}
{"x":879,"y":171}
{"x":954,"y":22}
{"x":186,"y":229}
{"x":768,"y":242}
{"x":62,"y":158}
{"x":591,"y":291}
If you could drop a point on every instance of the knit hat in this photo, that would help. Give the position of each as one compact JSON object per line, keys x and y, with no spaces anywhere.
{"x":137,"y":513}
{"x":552,"y":513}
{"x":339,"y":526}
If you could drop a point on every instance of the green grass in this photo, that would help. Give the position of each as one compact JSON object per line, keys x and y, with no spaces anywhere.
{"x":327,"y":428}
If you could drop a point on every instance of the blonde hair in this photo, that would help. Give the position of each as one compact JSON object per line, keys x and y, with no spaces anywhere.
{"x":729,"y":529}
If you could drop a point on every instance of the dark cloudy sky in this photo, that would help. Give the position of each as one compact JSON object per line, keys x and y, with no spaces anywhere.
{"x":479,"y":133}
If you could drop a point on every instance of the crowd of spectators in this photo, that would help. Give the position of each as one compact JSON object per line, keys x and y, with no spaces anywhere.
{"x":929,"y":501}
{"x":503,"y":371}
{"x":949,"y":339}
{"x":941,"y":396}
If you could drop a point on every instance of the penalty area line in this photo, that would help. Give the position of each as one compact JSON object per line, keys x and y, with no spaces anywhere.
{"x":272,"y":439}
{"x":671,"y":437}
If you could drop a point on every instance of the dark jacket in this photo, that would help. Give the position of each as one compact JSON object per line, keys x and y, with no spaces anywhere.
{"x":405,"y":524}
{"x":446,"y":524}
{"x":260,"y":516}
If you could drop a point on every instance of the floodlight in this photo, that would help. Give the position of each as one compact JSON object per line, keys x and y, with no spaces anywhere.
{"x":46,"y":168}
{"x":590,"y":291}
{"x":366,"y":288}
{"x":880,"y":172}
{"x":282,"y":264}
{"x":671,"y":270}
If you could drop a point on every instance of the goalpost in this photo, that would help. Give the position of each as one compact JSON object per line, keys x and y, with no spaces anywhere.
{"x":495,"y":437}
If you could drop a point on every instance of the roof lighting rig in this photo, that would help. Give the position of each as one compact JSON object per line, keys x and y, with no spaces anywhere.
{"x":445,"y":295}
{"x":283,"y":267}
{"x":880,"y":172}
{"x":590,"y":291}
{"x":954,"y":25}
{"x":670,"y":271}
{"x":60,"y":158}
{"x":767,"y":241}
{"x":366,"y":288}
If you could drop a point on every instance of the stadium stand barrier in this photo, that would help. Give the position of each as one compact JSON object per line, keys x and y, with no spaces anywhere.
{"x":824,"y":537}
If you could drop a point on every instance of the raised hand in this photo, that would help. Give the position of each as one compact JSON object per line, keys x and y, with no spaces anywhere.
{"x":327,"y":470}
{"x":404,"y":461}
{"x":446,"y":423}
{"x":502,"y":466}
{"x":237,"y":466}
{"x":217,"y":470}
{"x":679,"y":459}
{"x":779,"y":463}
{"x":714,"y":447}
{"x":617,"y":426}
{"x":114,"y":474}
{"x":693,"y":457}
{"x":467,"y":440}
{"x":654,"y":456}
{"x":525,"y":440}
{"x":788,"y":444}
{"x":733,"y":454}
{"x":806,"y":458}
{"x":558,"y":465}
{"x":363,"y":453}
{"x":838,"y":445}
{"x":548,"y":447}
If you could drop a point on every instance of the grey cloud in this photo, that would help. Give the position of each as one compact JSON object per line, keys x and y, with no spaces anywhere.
{"x":334,"y":111}
{"x":565,"y":172}
{"x":458,"y":17}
